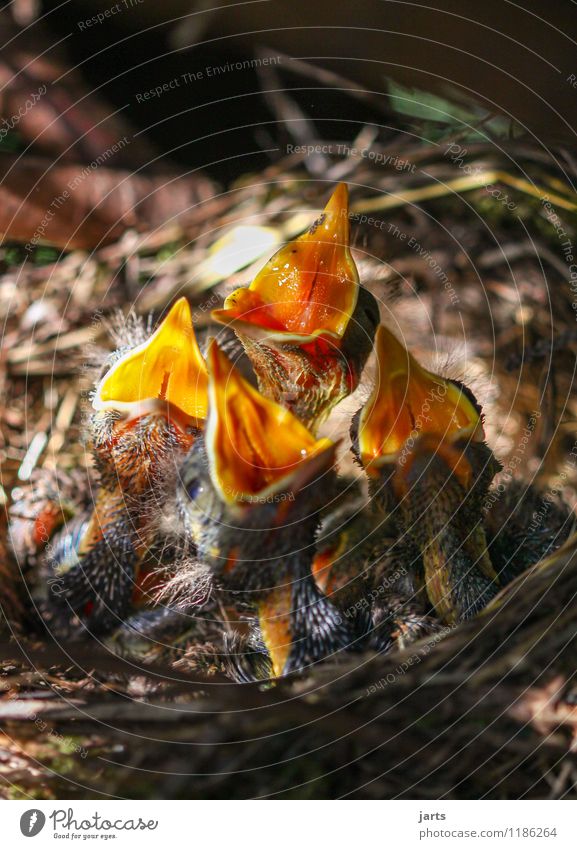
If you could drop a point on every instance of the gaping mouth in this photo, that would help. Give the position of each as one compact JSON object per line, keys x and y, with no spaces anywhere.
{"x":165,"y":373}
{"x":256,"y":448}
{"x":409,"y":401}
{"x":308,"y":289}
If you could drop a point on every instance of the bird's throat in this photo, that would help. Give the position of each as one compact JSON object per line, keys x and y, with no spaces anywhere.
{"x":307,"y":380}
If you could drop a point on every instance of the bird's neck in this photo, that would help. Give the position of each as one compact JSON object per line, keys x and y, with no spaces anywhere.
{"x":308,"y":380}
{"x":447,"y":526}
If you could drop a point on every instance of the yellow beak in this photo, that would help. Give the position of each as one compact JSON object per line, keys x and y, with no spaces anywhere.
{"x":409,"y":401}
{"x":308,"y":289}
{"x":255,"y":446}
{"x":165,"y":373}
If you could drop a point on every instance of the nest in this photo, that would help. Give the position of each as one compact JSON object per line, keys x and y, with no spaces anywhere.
{"x":481,"y":289}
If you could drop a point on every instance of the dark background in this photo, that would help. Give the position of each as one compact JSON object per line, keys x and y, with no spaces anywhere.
{"x":512,"y":59}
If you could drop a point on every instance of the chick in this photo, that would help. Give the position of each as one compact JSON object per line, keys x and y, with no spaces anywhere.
{"x":148,"y":408}
{"x":305,"y":322}
{"x":420,"y":439}
{"x":250,"y":493}
{"x":433,"y":545}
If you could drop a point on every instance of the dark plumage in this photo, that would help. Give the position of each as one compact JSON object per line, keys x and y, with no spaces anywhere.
{"x":370,"y":571}
{"x":251,"y":490}
{"x":95,"y":552}
{"x":523,"y":526}
{"x":420,"y":437}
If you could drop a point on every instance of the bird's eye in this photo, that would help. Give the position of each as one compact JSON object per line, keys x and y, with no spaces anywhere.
{"x":194,"y":488}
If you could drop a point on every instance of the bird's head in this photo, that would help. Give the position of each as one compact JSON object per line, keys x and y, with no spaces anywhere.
{"x":301,"y":314}
{"x":252,"y":486}
{"x":151,"y":402}
{"x":418,"y":428}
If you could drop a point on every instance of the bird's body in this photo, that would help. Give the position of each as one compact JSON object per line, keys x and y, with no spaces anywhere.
{"x":523,"y":526}
{"x":250,"y":496}
{"x":373,"y":575}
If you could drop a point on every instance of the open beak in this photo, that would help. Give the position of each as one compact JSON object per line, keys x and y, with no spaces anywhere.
{"x":165,"y":374}
{"x":409,"y":401}
{"x":255,"y":446}
{"x":308,"y":289}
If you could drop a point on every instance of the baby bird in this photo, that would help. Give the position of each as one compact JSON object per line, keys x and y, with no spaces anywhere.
{"x":420,"y":439}
{"x":251,"y":489}
{"x":305,"y":322}
{"x":434,"y":544}
{"x":148,"y":408}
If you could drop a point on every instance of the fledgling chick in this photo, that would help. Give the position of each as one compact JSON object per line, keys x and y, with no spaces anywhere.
{"x":148,"y":408}
{"x":305,"y":322}
{"x":420,"y":439}
{"x":251,"y":489}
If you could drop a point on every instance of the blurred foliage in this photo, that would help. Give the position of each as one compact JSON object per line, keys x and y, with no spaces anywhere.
{"x":437,"y":117}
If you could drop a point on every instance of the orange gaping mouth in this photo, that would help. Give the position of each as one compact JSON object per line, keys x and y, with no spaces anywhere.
{"x":308,"y":289}
{"x":166,"y":372}
{"x":409,"y":401}
{"x":255,"y":447}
